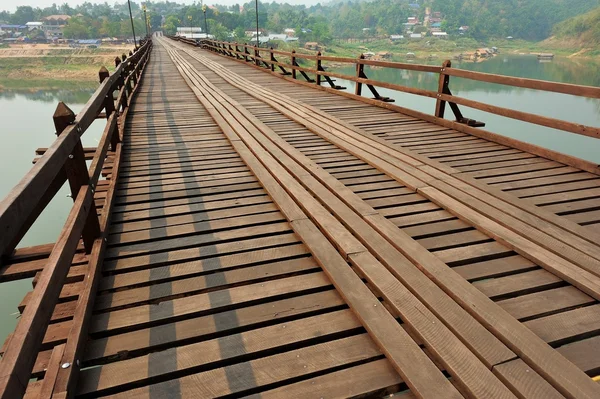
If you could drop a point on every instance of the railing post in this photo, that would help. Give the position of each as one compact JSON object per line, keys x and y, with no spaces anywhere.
{"x":109,"y":106}
{"x":120,"y":80}
{"x":256,"y":54}
{"x":237,"y":50}
{"x":132,"y":69}
{"x":293,"y":62}
{"x":246,"y":52}
{"x":272,"y":60}
{"x":359,"y":74}
{"x":77,"y":173}
{"x":440,"y":105}
{"x":318,"y":68}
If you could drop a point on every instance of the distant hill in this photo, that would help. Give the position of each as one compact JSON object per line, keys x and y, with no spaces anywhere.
{"x":529,"y":20}
{"x":522,"y":19}
{"x":584,"y":29}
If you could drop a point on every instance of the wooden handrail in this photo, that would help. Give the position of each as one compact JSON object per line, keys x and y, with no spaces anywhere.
{"x":534,"y":84}
{"x":64,"y":160}
{"x":23,"y":204}
{"x":442,"y":96}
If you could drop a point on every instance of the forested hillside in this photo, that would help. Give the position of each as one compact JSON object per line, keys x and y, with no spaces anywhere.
{"x":582,"y":28}
{"x":529,"y":20}
{"x":532,"y":20}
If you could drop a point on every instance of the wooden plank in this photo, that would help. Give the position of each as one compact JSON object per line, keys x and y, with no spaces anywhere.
{"x":267,"y":370}
{"x":29,"y":269}
{"x":18,"y":360}
{"x":50,"y":377}
{"x":545,"y":303}
{"x":521,"y":378}
{"x":585,"y":354}
{"x":495,"y":268}
{"x":144,"y":246}
{"x":257,"y":256}
{"x":194,"y":254}
{"x":143,"y":316}
{"x":210,"y":326}
{"x":518,"y":284}
{"x":374,"y":379}
{"x":582,"y":279}
{"x":195,"y":285}
{"x":200,"y":355}
{"x":296,"y":107}
{"x":360,"y":260}
{"x":416,"y":359}
{"x":568,"y":326}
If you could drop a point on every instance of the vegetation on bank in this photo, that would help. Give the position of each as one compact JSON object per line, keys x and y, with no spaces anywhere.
{"x":531,"y":20}
{"x":582,"y":31}
{"x":54,"y":68}
{"x":430,"y":51}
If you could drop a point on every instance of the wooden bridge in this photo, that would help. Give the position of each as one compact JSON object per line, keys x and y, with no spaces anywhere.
{"x":246,"y":229}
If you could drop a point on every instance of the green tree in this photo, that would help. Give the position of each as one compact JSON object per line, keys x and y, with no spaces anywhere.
{"x":240,"y":34}
{"x":22,"y":15}
{"x":36,"y":34}
{"x":76,"y":29}
{"x":217,"y":30}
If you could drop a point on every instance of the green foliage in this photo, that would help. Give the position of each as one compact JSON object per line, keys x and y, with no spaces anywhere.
{"x":22,"y":15}
{"x":529,"y":20}
{"x":76,"y":29}
{"x":36,"y":34}
{"x":584,"y":27}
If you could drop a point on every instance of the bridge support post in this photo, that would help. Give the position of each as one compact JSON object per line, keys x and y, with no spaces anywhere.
{"x":359,"y":73}
{"x":440,"y":105}
{"x":272,"y":59}
{"x":293,"y":63}
{"x":319,"y":68}
{"x":77,"y":173}
{"x":109,"y":107}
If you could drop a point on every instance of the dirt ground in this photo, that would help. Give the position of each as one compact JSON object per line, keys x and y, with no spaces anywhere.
{"x":37,"y":62}
{"x":44,"y":50}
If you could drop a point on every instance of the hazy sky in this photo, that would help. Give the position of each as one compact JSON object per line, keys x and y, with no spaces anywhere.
{"x":11,"y":5}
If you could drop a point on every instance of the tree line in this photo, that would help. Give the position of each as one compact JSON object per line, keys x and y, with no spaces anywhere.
{"x":530,"y":20}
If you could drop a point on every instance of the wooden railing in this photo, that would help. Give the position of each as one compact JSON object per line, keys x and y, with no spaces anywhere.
{"x":266,"y":57}
{"x":64,"y":161}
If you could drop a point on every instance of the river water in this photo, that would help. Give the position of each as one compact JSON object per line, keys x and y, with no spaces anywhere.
{"x":560,"y":106}
{"x":26,"y":124}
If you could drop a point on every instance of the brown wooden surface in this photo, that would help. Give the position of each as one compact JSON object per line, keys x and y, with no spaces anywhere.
{"x":266,"y":238}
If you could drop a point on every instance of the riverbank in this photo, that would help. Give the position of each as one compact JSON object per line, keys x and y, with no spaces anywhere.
{"x":33,"y":67}
{"x":434,"y":51}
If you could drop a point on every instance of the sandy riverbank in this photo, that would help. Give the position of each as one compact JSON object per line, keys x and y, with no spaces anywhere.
{"x":44,"y":66}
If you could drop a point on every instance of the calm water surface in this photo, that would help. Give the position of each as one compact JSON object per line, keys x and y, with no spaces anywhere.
{"x":26,"y":124}
{"x":560,"y":106}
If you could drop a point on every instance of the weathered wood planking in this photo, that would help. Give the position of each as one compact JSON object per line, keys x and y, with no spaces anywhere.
{"x":267,"y":238}
{"x":342,"y":177}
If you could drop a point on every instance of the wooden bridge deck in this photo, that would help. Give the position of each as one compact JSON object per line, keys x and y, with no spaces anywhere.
{"x":274,"y":240}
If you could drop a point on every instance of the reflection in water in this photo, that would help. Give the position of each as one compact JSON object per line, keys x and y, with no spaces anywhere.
{"x":581,"y":72}
{"x":26,"y":117}
{"x":48,"y":96}
{"x":581,"y":110}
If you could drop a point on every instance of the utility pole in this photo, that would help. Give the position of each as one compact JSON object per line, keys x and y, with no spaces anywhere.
{"x":146,"y":20}
{"x":205,"y":24}
{"x":257,"y":34}
{"x":131,"y":19}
